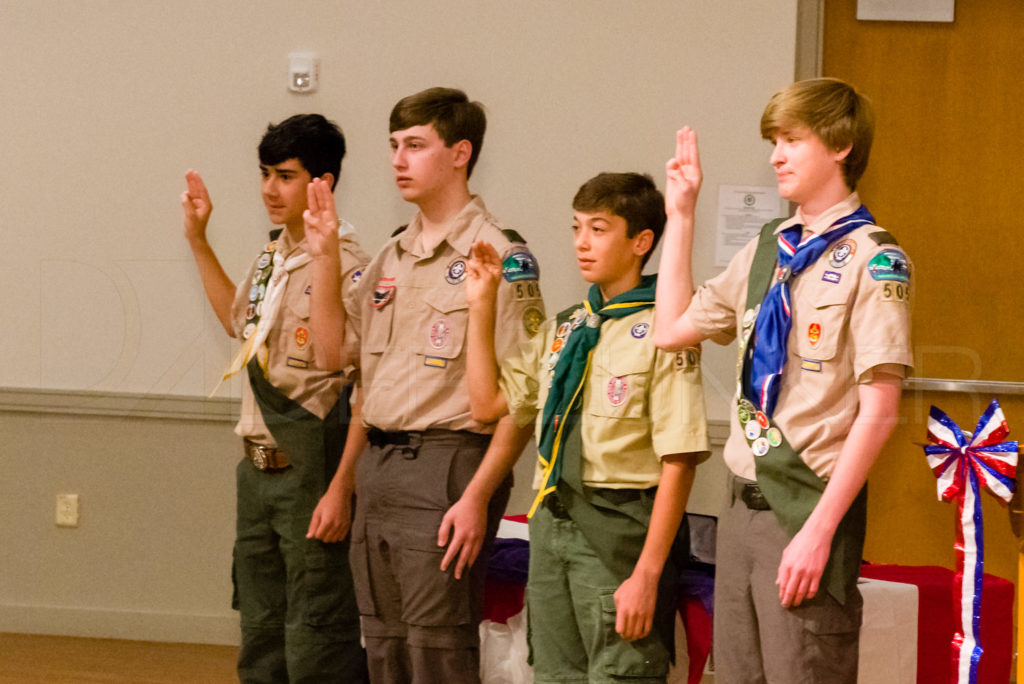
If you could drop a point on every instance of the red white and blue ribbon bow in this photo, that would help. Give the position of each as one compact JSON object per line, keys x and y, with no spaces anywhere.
{"x":963,"y":464}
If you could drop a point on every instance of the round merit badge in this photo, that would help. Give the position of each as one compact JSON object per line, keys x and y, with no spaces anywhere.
{"x":618,"y":390}
{"x":557,"y":344}
{"x":762,"y":419}
{"x":250,"y":311}
{"x":639,"y":331}
{"x":774,"y":436}
{"x":842,"y":253}
{"x":752,"y":430}
{"x":563,"y":330}
{"x":760,"y":446}
{"x":263,"y":261}
{"x":248,"y":331}
{"x":301,"y":337}
{"x":440,"y":331}
{"x":456,"y":271}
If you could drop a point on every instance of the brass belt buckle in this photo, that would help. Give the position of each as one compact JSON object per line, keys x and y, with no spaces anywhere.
{"x":259,"y":457}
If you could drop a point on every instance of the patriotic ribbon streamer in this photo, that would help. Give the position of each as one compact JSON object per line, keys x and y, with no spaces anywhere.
{"x":963,"y":464}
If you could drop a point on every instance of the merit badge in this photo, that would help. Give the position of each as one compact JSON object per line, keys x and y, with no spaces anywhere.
{"x":814,"y":334}
{"x":356,"y":275}
{"x":563,"y":330}
{"x":831,"y":277}
{"x":749,"y":316}
{"x":301,"y":337}
{"x":760,"y":446}
{"x":762,"y":419}
{"x":248,"y":331}
{"x":810,"y":365}
{"x":890,"y":264}
{"x":557,"y":344}
{"x":259,"y":308}
{"x":752,"y":430}
{"x":254,"y":293}
{"x":774,"y":436}
{"x":263,"y":261}
{"x":639,"y":331}
{"x":261,"y":291}
{"x":519,"y":264}
{"x":383,"y":293}
{"x":440,"y":331}
{"x":271,"y":246}
{"x":842,"y":253}
{"x":250,"y":311}
{"x":532,"y":319}
{"x":456,"y":271}
{"x":256,"y":278}
{"x":552,"y":360}
{"x":743,"y":414}
{"x":618,"y":390}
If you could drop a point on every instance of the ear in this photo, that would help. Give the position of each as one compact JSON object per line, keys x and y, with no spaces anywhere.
{"x":462,"y":151}
{"x":843,"y":153}
{"x":642,"y":242}
{"x":329,"y":179}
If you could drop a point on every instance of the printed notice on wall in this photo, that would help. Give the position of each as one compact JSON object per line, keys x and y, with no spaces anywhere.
{"x":742,"y":210}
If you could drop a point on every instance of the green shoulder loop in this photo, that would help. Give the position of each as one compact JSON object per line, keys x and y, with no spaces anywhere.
{"x":512,"y":236}
{"x":883,"y":237}
{"x":399,"y":230}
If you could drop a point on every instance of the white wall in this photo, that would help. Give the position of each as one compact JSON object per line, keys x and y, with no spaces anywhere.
{"x":106,"y":103}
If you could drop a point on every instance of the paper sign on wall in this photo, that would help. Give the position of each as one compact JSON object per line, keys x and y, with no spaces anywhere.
{"x":742,"y":210}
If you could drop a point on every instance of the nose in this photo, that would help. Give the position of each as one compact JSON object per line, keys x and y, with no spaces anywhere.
{"x":269,"y":186}
{"x":581,"y":240}
{"x":778,"y":156}
{"x":397,"y":158}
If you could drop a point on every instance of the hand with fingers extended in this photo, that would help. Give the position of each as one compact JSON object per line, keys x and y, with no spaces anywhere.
{"x":462,"y":530}
{"x":321,"y":219}
{"x":803,"y":562}
{"x":197,"y":205}
{"x":483,"y":274}
{"x":683,"y":174}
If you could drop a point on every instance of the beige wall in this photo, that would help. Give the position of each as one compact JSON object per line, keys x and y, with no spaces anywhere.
{"x":105,"y":105}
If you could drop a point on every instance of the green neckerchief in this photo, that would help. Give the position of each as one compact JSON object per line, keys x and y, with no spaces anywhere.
{"x":790,"y":487}
{"x":562,"y":408}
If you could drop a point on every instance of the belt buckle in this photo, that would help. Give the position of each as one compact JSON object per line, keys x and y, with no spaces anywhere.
{"x":259,"y":457}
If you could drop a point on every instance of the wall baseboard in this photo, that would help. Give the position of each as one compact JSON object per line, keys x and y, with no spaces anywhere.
{"x":119,"y":404}
{"x":95,"y":623}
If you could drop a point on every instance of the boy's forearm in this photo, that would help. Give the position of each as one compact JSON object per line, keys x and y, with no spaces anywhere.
{"x":506,"y":445}
{"x":220,"y":291}
{"x":675,"y":285}
{"x":677,"y":474}
{"x":327,"y":312}
{"x":344,"y":478}
{"x":486,"y":401}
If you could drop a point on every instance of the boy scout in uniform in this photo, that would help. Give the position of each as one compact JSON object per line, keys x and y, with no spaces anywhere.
{"x":428,"y":499}
{"x":820,"y":303}
{"x":620,"y":427}
{"x":293,"y":590}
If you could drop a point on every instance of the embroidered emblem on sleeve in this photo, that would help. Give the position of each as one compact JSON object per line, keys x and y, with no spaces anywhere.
{"x":518,"y":264}
{"x":532,"y":320}
{"x":890,"y":264}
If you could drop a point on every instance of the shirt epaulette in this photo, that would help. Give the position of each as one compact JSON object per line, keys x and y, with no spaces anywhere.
{"x":883,"y":237}
{"x":512,"y":236}
{"x":399,"y":230}
{"x":276,"y":233}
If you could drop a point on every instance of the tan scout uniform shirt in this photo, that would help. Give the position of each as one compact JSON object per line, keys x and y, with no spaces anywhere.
{"x":291,"y":366}
{"x":845,"y":324}
{"x":639,"y":403}
{"x":410,"y":314}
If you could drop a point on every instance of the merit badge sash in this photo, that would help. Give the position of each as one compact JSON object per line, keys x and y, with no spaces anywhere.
{"x":789,"y":485}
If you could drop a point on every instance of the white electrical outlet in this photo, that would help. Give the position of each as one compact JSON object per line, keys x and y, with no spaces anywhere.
{"x":67,"y":510}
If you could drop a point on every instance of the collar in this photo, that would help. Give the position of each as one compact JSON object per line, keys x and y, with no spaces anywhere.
{"x":285,"y":246}
{"x":821,"y":225}
{"x":462,"y":229}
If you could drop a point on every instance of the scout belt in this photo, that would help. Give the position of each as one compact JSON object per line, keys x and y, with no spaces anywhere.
{"x":264,"y":457}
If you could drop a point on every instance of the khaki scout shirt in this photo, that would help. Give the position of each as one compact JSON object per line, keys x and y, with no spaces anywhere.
{"x":639,"y":403}
{"x":291,"y":366}
{"x":410,"y":314}
{"x":846,"y":322}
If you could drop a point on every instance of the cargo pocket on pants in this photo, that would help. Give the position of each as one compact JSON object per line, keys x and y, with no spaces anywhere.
{"x":359,"y":564}
{"x":642,"y":658}
{"x":328,"y":585}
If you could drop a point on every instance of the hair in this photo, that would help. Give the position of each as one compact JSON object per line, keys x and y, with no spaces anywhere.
{"x":836,"y":113}
{"x":451,"y":114}
{"x":633,"y":196}
{"x":317,"y":143}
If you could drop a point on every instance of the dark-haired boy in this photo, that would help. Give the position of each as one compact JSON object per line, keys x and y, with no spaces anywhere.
{"x":429,"y":499}
{"x":820,"y":303}
{"x":620,"y":427}
{"x":293,"y":586}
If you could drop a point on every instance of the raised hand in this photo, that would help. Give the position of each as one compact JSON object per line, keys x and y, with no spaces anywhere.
{"x":483,"y":273}
{"x":321,"y":219}
{"x":683,"y":174}
{"x":197,"y":205}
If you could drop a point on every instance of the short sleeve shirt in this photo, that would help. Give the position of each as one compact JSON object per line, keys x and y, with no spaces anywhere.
{"x":410,"y":315}
{"x":639,"y":403}
{"x":291,"y":365}
{"x":851,"y":315}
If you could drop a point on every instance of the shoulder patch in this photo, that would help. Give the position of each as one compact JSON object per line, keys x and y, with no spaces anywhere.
{"x":399,"y":230}
{"x":512,"y":236}
{"x":883,"y":237}
{"x":890,"y":264}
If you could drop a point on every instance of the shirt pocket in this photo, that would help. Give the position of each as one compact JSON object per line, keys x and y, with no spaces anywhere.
{"x":619,"y":383}
{"x":444,"y":329}
{"x":820,"y":330}
{"x":295,"y":334}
